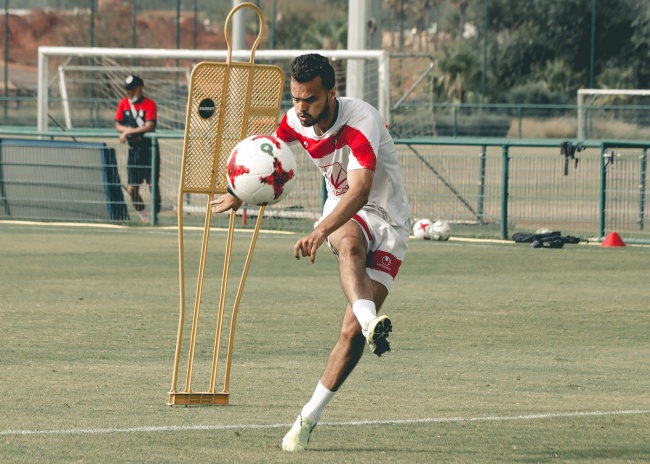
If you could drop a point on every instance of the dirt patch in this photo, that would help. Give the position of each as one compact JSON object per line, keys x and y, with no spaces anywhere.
{"x":112,"y":29}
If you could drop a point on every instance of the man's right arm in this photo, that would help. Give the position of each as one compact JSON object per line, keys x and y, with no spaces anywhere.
{"x":225,"y":202}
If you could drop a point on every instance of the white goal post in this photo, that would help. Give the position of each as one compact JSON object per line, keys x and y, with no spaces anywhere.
{"x":584,"y":93}
{"x":354,"y":83}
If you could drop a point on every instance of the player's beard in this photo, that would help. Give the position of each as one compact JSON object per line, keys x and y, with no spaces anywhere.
{"x":323,"y":115}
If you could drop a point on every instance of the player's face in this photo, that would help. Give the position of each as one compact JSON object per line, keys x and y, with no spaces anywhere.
{"x":313,"y":103}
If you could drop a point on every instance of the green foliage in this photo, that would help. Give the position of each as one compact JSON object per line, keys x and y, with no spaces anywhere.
{"x":459,"y":73}
{"x":549,"y":42}
{"x":514,"y":61}
{"x":296,"y":31}
{"x":475,"y":125}
{"x":414,"y":12}
{"x":326,"y":35}
{"x":533,"y":93}
{"x":616,"y":78}
{"x":412,"y":121}
{"x":559,"y":77}
{"x":290,"y":29}
{"x":641,"y":44}
{"x":452,"y":22}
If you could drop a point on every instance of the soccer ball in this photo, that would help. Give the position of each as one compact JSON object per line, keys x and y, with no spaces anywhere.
{"x":440,"y":231}
{"x":421,"y":229}
{"x":261,"y":170}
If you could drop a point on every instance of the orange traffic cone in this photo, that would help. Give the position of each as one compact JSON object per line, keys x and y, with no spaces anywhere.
{"x":613,"y":240}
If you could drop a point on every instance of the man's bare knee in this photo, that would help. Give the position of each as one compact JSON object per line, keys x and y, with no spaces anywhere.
{"x":351,"y":247}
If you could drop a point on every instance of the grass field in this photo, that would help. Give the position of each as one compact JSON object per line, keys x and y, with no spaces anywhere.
{"x":502,"y":353}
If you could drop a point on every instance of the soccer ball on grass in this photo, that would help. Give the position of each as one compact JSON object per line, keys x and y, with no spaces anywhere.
{"x":440,"y":231}
{"x":421,"y":229}
{"x":261,"y":170}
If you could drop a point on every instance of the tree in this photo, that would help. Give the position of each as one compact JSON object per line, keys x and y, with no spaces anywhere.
{"x":549,"y":41}
{"x":326,"y":35}
{"x":557,"y":76}
{"x":459,"y":74}
{"x":398,"y":13}
{"x":290,"y":29}
{"x":641,"y":45}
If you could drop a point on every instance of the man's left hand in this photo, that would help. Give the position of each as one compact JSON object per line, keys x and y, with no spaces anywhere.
{"x":308,"y":245}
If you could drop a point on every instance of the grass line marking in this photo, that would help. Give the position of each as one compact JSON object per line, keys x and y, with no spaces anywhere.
{"x":186,"y":428}
{"x":126,"y":227}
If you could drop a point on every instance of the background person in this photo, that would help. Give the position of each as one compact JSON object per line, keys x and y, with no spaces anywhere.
{"x":136,"y":115}
{"x":365,"y":218}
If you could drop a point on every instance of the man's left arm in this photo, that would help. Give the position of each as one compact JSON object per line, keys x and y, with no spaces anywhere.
{"x":126,"y":131}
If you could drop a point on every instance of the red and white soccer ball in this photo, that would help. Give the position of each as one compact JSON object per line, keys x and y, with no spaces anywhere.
{"x":421,"y":229}
{"x":261,"y":170}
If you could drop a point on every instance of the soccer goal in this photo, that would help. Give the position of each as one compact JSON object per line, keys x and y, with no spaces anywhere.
{"x":613,"y":113}
{"x":80,"y":86}
{"x":102,"y":82}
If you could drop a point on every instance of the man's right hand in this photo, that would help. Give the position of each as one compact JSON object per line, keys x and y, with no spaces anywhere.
{"x":225,"y":202}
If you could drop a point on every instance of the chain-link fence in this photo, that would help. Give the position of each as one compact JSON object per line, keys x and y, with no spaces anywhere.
{"x":482,"y":187}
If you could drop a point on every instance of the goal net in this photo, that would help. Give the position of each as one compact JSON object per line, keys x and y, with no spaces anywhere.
{"x":79,"y":88}
{"x":613,"y":114}
{"x":88,"y":92}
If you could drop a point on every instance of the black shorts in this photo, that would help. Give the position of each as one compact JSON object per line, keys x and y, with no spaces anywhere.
{"x":139,"y":165}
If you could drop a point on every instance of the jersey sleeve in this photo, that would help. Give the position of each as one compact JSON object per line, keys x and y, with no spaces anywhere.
{"x":119,"y":114}
{"x":284,"y":131}
{"x":362,"y":136}
{"x":151,"y":111}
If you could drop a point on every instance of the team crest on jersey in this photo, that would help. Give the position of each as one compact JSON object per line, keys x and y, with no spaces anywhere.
{"x":337,"y":177}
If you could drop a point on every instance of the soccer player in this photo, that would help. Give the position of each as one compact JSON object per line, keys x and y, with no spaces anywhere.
{"x":136,"y":115}
{"x":365,"y":218}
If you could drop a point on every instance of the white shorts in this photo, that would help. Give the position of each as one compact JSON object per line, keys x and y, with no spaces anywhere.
{"x":387,"y":245}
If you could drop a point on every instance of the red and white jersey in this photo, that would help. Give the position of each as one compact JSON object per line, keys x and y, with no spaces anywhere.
{"x":145,"y":108}
{"x":358,"y":139}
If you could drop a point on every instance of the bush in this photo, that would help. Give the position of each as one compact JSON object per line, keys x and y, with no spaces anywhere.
{"x":476,"y":125}
{"x":412,"y":121}
{"x":534,"y":93}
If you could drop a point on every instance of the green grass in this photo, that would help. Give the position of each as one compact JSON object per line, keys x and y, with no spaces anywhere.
{"x":504,"y":353}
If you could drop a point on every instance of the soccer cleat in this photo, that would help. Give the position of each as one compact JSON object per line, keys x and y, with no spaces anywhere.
{"x":376,"y":332}
{"x":380,"y":347}
{"x":297,"y":438}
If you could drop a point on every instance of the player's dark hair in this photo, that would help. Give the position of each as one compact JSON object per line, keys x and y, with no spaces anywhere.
{"x":308,"y":67}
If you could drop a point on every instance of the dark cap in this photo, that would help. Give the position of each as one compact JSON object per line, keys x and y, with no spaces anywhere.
{"x":132,"y":82}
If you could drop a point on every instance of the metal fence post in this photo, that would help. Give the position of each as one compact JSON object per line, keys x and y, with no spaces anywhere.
{"x":644,"y":163}
{"x":603,"y":196}
{"x":155,"y":170}
{"x":323,"y":192}
{"x":5,"y":101}
{"x":481,"y":185}
{"x":504,"y":193}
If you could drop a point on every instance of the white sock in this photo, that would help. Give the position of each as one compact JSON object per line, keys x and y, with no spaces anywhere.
{"x":320,"y":399}
{"x":365,"y":311}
